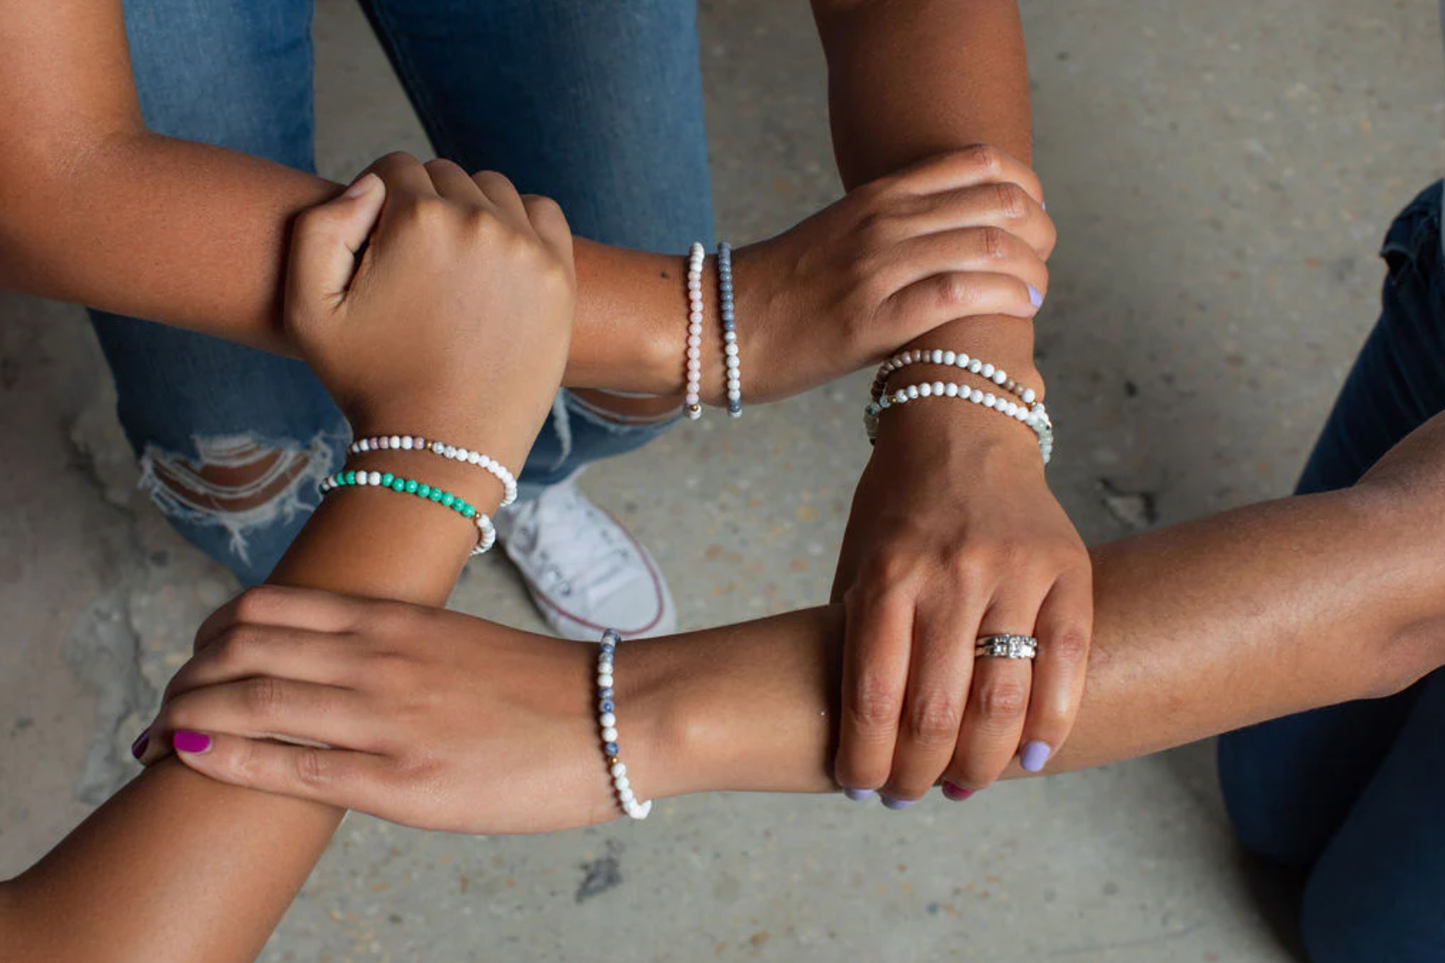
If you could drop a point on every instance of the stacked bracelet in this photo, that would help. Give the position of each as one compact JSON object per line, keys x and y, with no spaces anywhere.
{"x":607,"y":722}
{"x":1034,"y":416}
{"x":486,"y":532}
{"x":418,"y":443}
{"x":693,"y":398}
{"x":731,"y":361}
{"x":953,"y":359}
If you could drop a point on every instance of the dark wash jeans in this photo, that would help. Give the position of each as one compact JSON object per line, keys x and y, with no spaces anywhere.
{"x":1356,"y":793}
{"x":596,"y":103}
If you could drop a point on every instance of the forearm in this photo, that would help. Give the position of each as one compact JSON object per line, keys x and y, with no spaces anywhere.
{"x":178,"y":869}
{"x":1200,"y":628}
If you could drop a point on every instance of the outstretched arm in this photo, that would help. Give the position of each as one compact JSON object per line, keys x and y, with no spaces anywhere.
{"x":1202,"y":628}
{"x":179,"y":869}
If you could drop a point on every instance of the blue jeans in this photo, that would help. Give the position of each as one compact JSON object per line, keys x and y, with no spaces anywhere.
{"x":1355,"y":794}
{"x":596,"y":104}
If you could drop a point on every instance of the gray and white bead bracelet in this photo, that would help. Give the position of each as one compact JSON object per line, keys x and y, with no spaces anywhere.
{"x":731,"y":361}
{"x":607,"y":721}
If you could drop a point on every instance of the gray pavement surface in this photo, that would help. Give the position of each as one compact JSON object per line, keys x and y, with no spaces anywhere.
{"x":1221,"y":174}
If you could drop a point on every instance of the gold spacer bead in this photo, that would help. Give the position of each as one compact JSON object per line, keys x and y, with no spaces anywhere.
{"x":613,"y":760}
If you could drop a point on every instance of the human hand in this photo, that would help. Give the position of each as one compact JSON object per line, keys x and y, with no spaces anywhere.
{"x":456,"y":319}
{"x":947,"y":543}
{"x":960,"y":235}
{"x":416,"y":715}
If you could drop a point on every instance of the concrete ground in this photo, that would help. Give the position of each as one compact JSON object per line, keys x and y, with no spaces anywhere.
{"x":1221,"y":174}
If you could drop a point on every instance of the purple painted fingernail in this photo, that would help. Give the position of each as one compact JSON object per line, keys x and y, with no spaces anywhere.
{"x":138,"y":748}
{"x":1036,"y":297}
{"x":1034,"y":756}
{"x":897,"y":804}
{"x":955,"y":793}
{"x":193,"y":742}
{"x":858,"y":795}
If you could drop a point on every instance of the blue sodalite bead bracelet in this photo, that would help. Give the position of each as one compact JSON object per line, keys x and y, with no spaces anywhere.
{"x":486,"y":532}
{"x":607,"y":721}
{"x":729,"y":330}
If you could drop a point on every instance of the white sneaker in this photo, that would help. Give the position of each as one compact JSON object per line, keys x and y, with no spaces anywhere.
{"x":584,"y":570}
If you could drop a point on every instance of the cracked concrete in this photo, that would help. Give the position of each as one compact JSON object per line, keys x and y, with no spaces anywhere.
{"x":1221,"y":176}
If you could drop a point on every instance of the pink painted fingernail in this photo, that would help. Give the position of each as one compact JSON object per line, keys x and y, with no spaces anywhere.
{"x":138,"y":748}
{"x":1034,"y":756}
{"x":193,"y":742}
{"x":956,"y":793}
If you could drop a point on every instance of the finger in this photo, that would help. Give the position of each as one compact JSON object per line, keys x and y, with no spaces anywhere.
{"x":939,"y":673}
{"x":967,"y":167}
{"x":298,"y":608}
{"x":324,"y":244}
{"x":452,"y":183}
{"x":503,"y":195}
{"x":245,"y":650}
{"x":981,"y":250}
{"x":404,"y":176}
{"x":877,"y":636}
{"x":551,"y":226}
{"x":998,"y":701}
{"x":268,"y":708}
{"x":340,"y":778}
{"x":957,"y":295}
{"x":1004,"y":205}
{"x":1065,"y":625}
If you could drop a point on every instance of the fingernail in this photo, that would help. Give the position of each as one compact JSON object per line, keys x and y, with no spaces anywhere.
{"x":138,"y":748}
{"x":1043,"y":205}
{"x":193,"y":742}
{"x":897,"y":804}
{"x":1034,"y":756}
{"x":956,"y":793}
{"x":1036,"y":297}
{"x":363,"y":185}
{"x":858,"y":795}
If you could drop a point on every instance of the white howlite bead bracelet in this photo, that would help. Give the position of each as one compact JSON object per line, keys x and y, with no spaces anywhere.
{"x":953,"y":359}
{"x":607,"y":721}
{"x":417,"y":443}
{"x":692,"y":399}
{"x":1035,"y":416}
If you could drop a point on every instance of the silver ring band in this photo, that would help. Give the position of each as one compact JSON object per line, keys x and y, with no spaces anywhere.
{"x":1007,"y":647}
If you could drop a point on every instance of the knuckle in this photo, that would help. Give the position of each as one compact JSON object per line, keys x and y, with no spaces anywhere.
{"x":1003,"y":702}
{"x":257,"y":604}
{"x":1068,"y":644}
{"x":539,"y":205}
{"x":876,"y":703}
{"x":311,"y":767}
{"x":934,"y":719}
{"x":985,"y":158}
{"x":1011,"y":199}
{"x":954,"y":290}
{"x":264,"y":697}
{"x":993,"y":242}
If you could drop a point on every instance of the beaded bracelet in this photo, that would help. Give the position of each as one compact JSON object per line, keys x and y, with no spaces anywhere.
{"x":607,"y":721}
{"x":418,"y":443}
{"x":693,"y":397}
{"x":953,"y":359}
{"x":730,"y":335}
{"x":1035,"y":415}
{"x":486,"y":531}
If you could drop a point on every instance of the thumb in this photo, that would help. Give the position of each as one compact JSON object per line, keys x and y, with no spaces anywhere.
{"x":326,"y":240}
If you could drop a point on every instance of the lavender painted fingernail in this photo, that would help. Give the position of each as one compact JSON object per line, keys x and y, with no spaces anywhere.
{"x":138,"y":748}
{"x":956,"y":793}
{"x":897,"y":804}
{"x":1036,"y":297}
{"x":193,"y":742}
{"x":858,"y":795}
{"x":1034,"y":756}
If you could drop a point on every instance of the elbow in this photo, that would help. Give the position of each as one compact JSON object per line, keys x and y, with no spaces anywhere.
{"x":1416,"y":652}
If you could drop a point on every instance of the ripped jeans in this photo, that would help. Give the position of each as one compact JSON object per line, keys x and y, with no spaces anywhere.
{"x":598,"y":105}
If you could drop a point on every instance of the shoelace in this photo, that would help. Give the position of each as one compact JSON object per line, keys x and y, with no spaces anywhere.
{"x":585,"y":559}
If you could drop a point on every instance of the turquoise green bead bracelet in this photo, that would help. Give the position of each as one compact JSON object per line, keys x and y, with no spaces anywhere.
{"x":486,"y":531}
